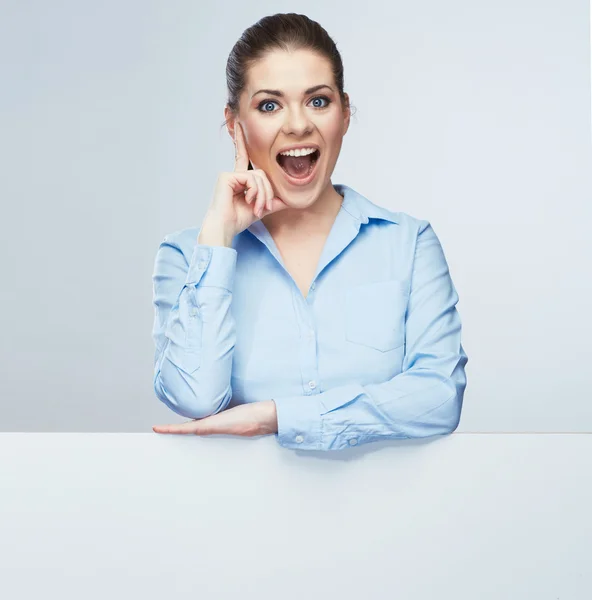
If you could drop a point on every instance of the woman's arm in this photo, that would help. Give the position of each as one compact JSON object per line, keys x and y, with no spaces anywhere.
{"x":194,"y":331}
{"x":425,"y":399}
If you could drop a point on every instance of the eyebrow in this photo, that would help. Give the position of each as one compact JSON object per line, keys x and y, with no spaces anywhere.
{"x":281,"y":95}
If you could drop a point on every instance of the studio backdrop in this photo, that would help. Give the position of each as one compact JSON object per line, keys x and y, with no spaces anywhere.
{"x":472,"y":115}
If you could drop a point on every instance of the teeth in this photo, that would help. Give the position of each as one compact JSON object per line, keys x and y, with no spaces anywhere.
{"x":298,"y":152}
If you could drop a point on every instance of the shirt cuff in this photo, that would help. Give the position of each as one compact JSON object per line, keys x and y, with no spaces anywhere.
{"x":212,"y":266}
{"x":299,"y":422}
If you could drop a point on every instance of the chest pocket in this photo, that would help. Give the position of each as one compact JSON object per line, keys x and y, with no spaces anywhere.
{"x":375,"y":314}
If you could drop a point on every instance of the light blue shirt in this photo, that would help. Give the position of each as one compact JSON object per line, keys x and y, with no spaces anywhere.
{"x":372,"y":353}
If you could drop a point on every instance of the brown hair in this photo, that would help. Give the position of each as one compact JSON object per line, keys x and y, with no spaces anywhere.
{"x":288,"y":32}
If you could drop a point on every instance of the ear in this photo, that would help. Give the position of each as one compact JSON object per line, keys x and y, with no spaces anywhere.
{"x":230,"y":121}
{"x":346,"y":114}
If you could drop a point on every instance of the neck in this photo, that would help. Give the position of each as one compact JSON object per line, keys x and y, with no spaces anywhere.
{"x":318,"y":217}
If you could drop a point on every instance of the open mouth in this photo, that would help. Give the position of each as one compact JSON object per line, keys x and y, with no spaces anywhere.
{"x":298,"y":167}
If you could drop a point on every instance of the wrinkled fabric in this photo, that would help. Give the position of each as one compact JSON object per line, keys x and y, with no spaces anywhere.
{"x":372,"y":353}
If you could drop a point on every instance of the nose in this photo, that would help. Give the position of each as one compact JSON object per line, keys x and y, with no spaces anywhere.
{"x":297,"y":123}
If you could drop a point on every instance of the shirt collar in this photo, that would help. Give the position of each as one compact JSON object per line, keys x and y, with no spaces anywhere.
{"x":355,"y":210}
{"x":361,"y":208}
{"x":358,"y":207}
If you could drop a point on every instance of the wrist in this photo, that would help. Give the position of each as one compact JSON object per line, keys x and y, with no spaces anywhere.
{"x":214,"y":234}
{"x":271,"y":414}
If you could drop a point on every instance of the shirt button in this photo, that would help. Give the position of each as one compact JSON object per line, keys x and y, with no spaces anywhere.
{"x":193,"y":312}
{"x":313,"y":285}
{"x":201,"y":264}
{"x":312,"y":385}
{"x":353,"y":442}
{"x":299,"y":439}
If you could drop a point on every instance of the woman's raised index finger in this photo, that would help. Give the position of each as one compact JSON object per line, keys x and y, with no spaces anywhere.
{"x":241,"y":158}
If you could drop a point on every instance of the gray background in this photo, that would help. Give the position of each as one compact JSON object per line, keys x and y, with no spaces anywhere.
{"x":473,"y":115}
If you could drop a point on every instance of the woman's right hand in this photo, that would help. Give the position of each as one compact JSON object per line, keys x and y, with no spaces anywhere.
{"x":242,"y":196}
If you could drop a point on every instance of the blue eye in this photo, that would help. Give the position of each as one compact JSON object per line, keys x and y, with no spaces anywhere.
{"x":268,"y":101}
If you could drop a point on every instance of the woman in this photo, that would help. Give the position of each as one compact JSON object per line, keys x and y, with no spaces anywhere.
{"x":328,"y":320}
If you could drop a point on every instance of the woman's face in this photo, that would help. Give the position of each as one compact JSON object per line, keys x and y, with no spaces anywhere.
{"x":271,"y":122}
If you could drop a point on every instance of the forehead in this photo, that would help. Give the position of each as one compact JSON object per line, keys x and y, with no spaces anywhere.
{"x":291,"y":72}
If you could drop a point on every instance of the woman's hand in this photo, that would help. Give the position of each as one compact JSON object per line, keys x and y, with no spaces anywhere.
{"x":254,"y":418}
{"x":231,"y":209}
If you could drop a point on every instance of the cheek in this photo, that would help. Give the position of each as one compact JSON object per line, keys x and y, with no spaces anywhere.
{"x":333,"y":132}
{"x":258,"y":139}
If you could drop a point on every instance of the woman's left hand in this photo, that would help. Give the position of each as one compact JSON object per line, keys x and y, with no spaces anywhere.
{"x":251,"y":419}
